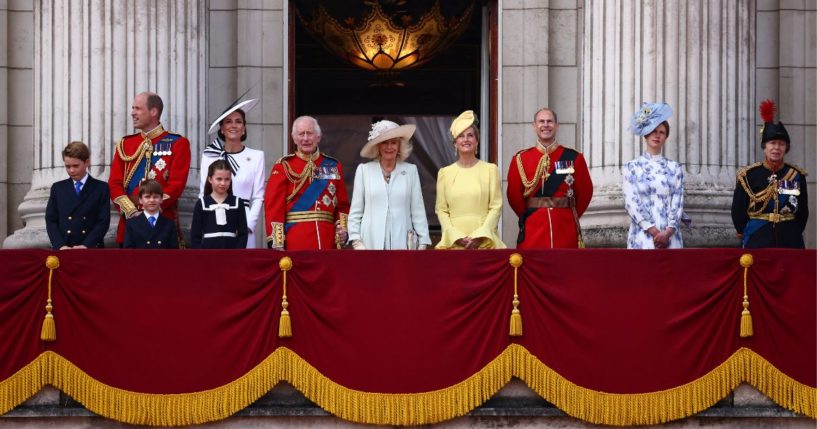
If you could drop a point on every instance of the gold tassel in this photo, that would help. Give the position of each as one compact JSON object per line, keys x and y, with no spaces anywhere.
{"x":746,"y":329}
{"x":285,"y":324}
{"x":49,"y":330}
{"x":516,"y":315}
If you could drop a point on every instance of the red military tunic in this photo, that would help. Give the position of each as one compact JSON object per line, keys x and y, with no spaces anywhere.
{"x":303,"y":201}
{"x":166,"y":159}
{"x":547,"y":227}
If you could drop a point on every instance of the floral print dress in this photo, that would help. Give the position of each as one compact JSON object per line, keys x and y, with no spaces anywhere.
{"x":653,"y":196}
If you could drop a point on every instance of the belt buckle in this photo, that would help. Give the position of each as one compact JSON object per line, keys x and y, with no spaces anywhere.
{"x":774,"y":217}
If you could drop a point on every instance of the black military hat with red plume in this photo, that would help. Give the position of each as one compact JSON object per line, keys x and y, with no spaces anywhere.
{"x":770,"y":130}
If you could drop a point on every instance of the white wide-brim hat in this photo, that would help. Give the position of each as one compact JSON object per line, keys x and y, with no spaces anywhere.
{"x":245,"y":105}
{"x":387,"y":130}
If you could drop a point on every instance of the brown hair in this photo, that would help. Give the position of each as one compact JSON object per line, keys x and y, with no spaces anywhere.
{"x":78,"y":150}
{"x":218,"y":164}
{"x":665,"y":123}
{"x":150,"y":187}
{"x":155,"y":102}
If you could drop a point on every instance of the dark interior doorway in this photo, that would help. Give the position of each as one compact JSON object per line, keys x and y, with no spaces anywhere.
{"x":346,"y":100}
{"x":326,"y":84}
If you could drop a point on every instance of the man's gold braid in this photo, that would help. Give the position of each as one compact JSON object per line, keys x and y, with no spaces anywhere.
{"x":137,"y":156}
{"x":541,"y":169}
{"x":299,"y":178}
{"x":120,"y":149}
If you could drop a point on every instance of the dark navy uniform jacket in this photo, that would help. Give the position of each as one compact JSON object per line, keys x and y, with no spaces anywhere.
{"x":140,"y":235}
{"x":783,"y":234}
{"x":72,"y":220}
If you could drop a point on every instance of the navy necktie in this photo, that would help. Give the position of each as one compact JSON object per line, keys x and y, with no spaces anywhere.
{"x":78,"y":187}
{"x":152,"y":220}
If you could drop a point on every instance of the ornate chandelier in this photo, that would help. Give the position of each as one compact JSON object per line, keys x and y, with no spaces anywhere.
{"x":387,"y":42}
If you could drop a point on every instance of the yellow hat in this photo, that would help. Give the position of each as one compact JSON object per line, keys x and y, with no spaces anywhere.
{"x":462,"y":122}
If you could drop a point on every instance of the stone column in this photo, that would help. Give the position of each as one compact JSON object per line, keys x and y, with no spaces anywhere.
{"x":696,"y":55}
{"x":90,"y":59}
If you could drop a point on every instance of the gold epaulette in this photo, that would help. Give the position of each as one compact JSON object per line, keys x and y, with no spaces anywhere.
{"x":330,"y":157}
{"x":742,"y":172}
{"x":528,"y":149}
{"x":278,"y":161}
{"x":799,"y":169}
{"x":570,"y":148}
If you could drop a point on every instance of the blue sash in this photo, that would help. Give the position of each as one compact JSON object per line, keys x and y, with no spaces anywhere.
{"x":139,"y":170}
{"x":755,"y":224}
{"x":312,"y":192}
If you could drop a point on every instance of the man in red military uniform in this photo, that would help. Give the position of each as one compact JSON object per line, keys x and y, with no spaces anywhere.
{"x":305,"y":203}
{"x":549,"y":188}
{"x":152,"y":153}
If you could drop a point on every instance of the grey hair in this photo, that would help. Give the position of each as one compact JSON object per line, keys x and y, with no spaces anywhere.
{"x":546,"y":109}
{"x":306,"y":118}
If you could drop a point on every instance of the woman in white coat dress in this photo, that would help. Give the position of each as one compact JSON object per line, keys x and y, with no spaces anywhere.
{"x":387,"y":209}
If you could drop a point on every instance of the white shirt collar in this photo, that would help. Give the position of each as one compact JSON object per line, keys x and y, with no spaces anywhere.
{"x":83,"y":180}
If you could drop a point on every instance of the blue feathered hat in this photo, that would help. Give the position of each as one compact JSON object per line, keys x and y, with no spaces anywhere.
{"x":648,"y":117}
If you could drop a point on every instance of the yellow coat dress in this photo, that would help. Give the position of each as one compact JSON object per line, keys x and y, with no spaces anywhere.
{"x":469,"y":202}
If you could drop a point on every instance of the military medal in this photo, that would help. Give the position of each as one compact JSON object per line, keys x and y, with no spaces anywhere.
{"x":564,"y":167}
{"x":788,"y":187}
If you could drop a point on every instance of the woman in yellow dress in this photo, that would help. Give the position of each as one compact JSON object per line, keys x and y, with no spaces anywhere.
{"x":469,"y":197}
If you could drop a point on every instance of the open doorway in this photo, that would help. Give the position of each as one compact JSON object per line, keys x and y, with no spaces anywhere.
{"x":346,"y":99}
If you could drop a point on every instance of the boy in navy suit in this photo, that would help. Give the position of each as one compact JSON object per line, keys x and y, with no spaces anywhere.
{"x":78,"y":213}
{"x":150,"y":230}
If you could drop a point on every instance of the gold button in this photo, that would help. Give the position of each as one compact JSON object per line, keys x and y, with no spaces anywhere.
{"x":148,"y":242}
{"x":159,"y":242}
{"x":69,"y":218}
{"x":69,"y":231}
{"x":83,"y":231}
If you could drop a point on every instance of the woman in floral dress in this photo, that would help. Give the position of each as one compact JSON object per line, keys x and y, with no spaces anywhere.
{"x":653,"y":185}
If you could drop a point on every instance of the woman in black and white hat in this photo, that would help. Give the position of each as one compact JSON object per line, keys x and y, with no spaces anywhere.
{"x":246,"y":164}
{"x":387,"y":209}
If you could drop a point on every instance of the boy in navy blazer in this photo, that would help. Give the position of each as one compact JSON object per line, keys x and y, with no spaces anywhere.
{"x":78,"y":212}
{"x":150,"y":230}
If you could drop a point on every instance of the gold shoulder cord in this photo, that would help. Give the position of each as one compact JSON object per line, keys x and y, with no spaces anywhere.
{"x":145,"y":147}
{"x":298,"y":178}
{"x":541,"y":170}
{"x":759,"y":201}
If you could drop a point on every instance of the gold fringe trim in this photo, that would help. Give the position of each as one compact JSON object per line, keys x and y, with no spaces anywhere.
{"x":139,"y":408}
{"x":409,"y":409}
{"x":620,"y":409}
{"x":23,"y":384}
{"x":398,"y":408}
